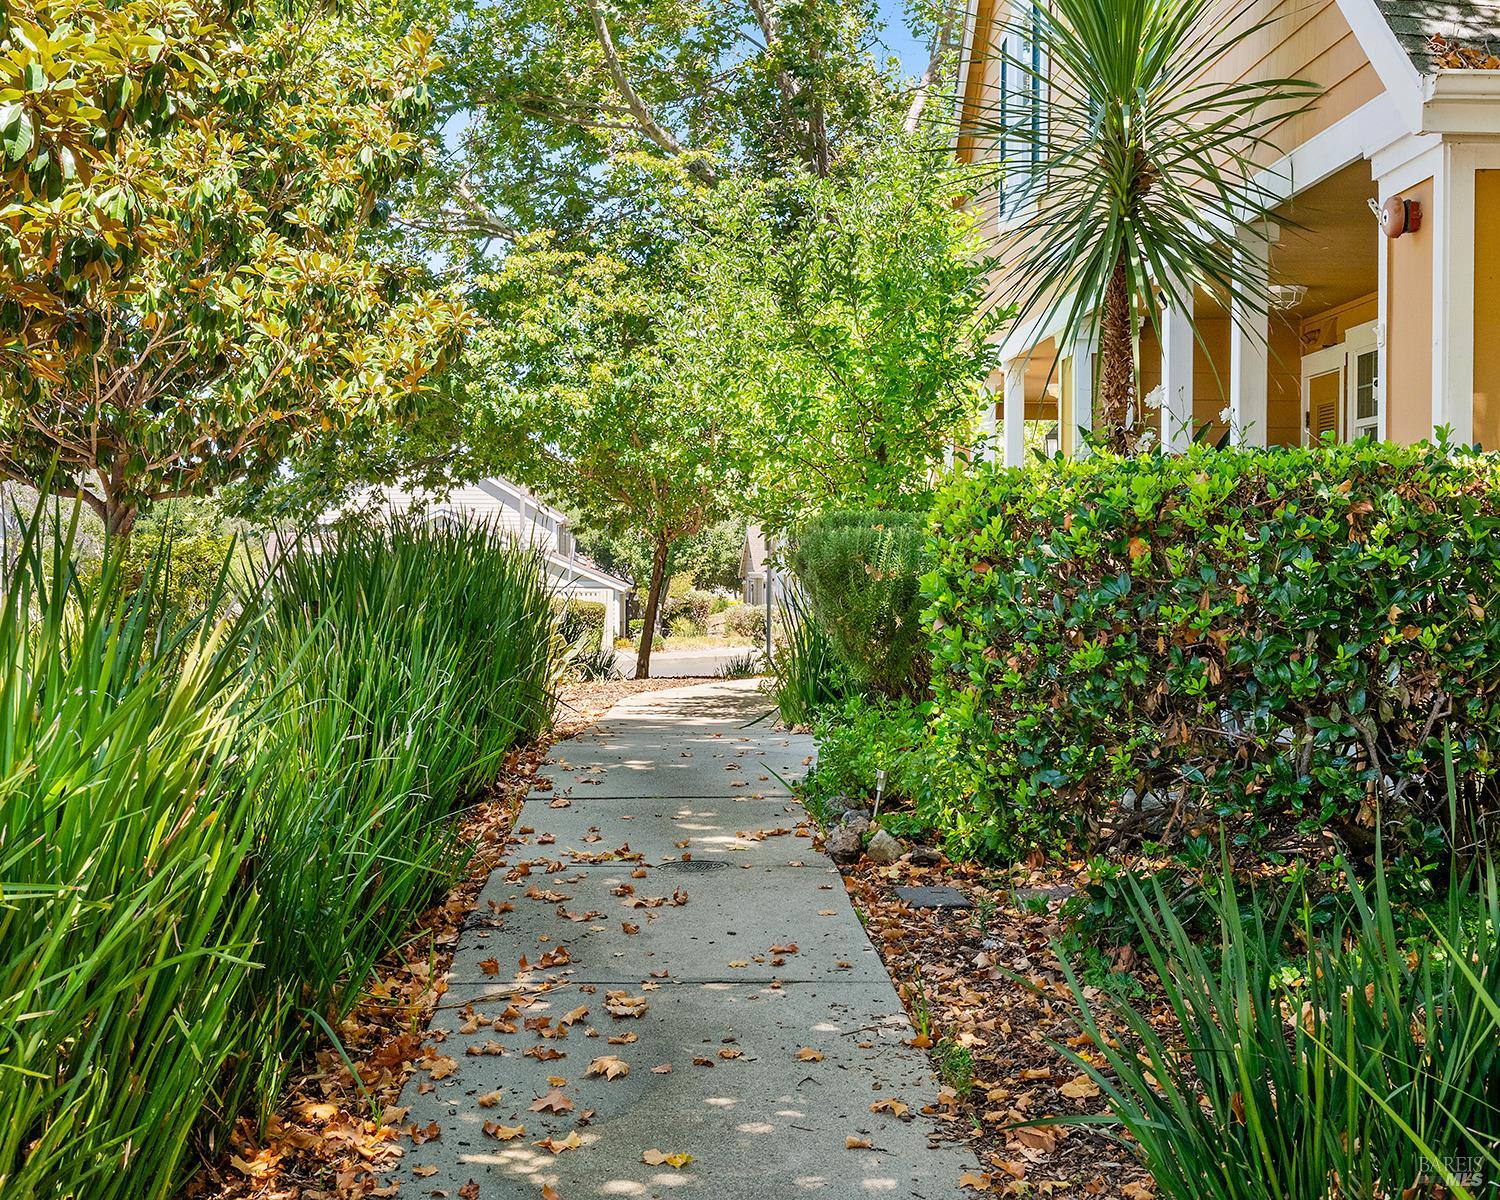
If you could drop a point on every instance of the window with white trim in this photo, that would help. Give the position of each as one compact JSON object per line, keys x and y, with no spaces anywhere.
{"x":1021,"y":98}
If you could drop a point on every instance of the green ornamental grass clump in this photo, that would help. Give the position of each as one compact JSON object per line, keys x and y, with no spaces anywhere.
{"x":1263,"y":637}
{"x":213,"y":821}
{"x":1364,"y":1066}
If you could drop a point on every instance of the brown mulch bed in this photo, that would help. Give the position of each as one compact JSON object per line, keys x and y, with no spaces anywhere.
{"x":984,"y":982}
{"x":326,"y":1141}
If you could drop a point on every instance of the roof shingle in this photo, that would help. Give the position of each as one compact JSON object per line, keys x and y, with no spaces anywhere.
{"x":1471,"y":22}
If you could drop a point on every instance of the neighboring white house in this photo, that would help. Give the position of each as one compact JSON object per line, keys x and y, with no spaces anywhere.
{"x":534,"y":524}
{"x":755,"y":566}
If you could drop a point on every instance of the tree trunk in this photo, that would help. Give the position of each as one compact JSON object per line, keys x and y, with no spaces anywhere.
{"x":119,"y":518}
{"x":942,"y":43}
{"x":653,"y":607}
{"x":1116,"y":361}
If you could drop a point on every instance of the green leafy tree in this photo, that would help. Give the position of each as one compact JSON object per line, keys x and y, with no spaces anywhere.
{"x":549,"y":95}
{"x":711,"y":558}
{"x":75,"y":77}
{"x":1138,"y":156}
{"x":211,"y":299}
{"x":863,"y":327}
{"x":593,"y":381}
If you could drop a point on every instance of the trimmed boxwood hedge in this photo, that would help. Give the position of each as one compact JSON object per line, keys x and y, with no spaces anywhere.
{"x":1261,"y":636}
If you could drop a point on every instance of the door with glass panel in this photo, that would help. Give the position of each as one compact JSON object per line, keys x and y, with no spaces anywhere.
{"x":1362,"y":382}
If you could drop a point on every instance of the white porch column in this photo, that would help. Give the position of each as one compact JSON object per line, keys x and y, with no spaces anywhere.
{"x":1081,"y":387}
{"x":1250,"y":343}
{"x":1452,"y":224}
{"x":1015,"y":412}
{"x":1177,"y":376}
{"x":613,"y":602}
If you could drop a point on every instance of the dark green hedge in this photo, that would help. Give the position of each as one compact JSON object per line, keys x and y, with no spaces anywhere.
{"x":581,"y":621}
{"x":1266,"y":637}
{"x":862,"y":573}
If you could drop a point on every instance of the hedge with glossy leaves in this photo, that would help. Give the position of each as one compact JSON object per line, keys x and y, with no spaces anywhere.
{"x":1264,"y":636}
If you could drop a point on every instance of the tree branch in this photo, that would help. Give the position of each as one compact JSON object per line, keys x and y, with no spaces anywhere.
{"x":942,"y":43}
{"x":653,"y":131}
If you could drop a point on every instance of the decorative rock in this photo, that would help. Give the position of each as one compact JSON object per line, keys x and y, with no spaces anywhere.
{"x":933,"y":897}
{"x":856,"y":821}
{"x":926,"y":856}
{"x":836,"y":806}
{"x":843,"y":844}
{"x":884,"y":849}
{"x":1061,"y":892}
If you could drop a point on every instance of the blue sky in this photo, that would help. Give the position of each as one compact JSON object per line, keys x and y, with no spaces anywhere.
{"x":898,"y":39}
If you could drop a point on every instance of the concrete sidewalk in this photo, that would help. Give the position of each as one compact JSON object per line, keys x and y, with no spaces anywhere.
{"x":756,"y":1021}
{"x":686,"y":664}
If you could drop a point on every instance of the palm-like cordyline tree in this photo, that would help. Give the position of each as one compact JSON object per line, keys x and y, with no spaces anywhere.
{"x":1127,"y":169}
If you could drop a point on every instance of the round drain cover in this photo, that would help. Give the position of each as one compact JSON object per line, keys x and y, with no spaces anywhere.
{"x":692,"y":864}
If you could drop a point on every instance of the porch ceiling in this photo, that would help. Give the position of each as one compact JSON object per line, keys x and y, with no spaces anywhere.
{"x":1329,"y":241}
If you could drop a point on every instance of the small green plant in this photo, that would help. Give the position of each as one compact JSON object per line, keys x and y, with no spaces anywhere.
{"x":955,"y":1066}
{"x":684,"y":627}
{"x":862,"y":573}
{"x":859,"y":738}
{"x":1036,"y":905}
{"x":919,"y":1005}
{"x":809,"y":676}
{"x":741,"y":666}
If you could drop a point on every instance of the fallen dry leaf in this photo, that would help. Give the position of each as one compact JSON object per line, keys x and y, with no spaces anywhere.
{"x":1080,"y":1087}
{"x":623,"y":1004}
{"x":808,"y":1054}
{"x":609,"y":1067}
{"x":553,"y":1101}
{"x":655,"y":1158}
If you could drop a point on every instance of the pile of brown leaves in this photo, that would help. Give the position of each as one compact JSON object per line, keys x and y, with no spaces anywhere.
{"x":324,"y":1141}
{"x":985,"y":981}
{"x":1450,"y":55}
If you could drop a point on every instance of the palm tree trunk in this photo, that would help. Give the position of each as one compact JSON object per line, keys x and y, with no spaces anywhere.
{"x":1116,"y":361}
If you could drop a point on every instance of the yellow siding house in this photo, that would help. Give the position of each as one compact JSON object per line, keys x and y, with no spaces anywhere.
{"x":1368,"y":333}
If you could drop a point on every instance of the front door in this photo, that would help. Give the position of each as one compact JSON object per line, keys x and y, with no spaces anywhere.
{"x":1341,"y":389}
{"x":1323,"y":373}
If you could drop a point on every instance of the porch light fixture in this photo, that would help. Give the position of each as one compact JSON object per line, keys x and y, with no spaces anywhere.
{"x":1287,"y":295}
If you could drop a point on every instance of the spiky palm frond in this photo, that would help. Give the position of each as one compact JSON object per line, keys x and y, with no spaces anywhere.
{"x":1131,"y":167}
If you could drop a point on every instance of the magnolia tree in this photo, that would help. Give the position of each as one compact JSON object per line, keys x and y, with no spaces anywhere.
{"x":194,"y":296}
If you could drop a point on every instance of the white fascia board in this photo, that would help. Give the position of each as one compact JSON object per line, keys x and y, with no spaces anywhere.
{"x":582,"y":571}
{"x":1397,"y":72}
{"x":1364,"y":133}
{"x":966,"y":56}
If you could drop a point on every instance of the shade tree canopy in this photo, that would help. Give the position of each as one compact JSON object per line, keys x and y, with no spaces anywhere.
{"x":211,"y":297}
